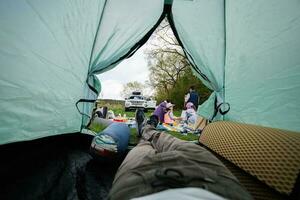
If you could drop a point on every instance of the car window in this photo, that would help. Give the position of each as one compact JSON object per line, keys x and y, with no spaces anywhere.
{"x":136,"y":97}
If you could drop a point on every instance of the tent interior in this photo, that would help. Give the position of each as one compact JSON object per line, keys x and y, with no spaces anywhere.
{"x":246,"y":51}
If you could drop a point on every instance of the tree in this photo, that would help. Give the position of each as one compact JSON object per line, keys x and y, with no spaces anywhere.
{"x":166,"y":70}
{"x":170,"y":71}
{"x":130,"y":87}
{"x":166,"y":59}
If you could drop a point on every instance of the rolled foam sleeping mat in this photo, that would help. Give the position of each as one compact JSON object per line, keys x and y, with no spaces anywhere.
{"x":120,"y":133}
{"x":112,"y":141}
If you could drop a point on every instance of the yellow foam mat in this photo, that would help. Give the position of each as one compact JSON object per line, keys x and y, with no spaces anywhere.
{"x":257,"y":189}
{"x":271,"y":155}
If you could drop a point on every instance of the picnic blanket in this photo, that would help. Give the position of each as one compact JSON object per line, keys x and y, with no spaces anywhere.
{"x":181,"y":128}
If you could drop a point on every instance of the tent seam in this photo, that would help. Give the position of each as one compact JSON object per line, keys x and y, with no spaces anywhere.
{"x":137,"y":45}
{"x":187,"y":54}
{"x":96,"y":36}
{"x":225,"y":51}
{"x":88,"y":74}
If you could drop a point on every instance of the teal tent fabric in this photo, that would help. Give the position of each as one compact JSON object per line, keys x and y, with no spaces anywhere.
{"x":44,"y":53}
{"x":91,"y":90}
{"x":262,"y":72}
{"x":249,"y":51}
{"x":121,"y":25}
{"x":49,"y":50}
{"x":200,"y":25}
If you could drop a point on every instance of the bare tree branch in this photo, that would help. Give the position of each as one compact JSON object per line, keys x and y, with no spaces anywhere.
{"x":166,"y":59}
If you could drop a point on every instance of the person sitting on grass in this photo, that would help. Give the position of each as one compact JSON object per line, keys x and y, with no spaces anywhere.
{"x":161,"y":110}
{"x":164,"y":167}
{"x":169,"y":117}
{"x":191,"y":113}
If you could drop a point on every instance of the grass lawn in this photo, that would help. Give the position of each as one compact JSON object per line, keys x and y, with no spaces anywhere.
{"x":118,"y":109}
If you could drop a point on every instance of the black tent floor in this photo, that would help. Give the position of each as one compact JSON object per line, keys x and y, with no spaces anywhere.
{"x":58,"y":167}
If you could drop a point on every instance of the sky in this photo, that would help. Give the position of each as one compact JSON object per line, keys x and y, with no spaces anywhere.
{"x":129,"y":70}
